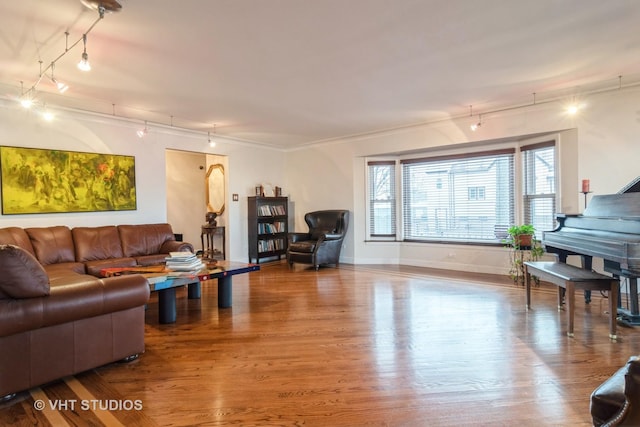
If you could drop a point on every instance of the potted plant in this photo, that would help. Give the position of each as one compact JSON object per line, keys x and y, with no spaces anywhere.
{"x":521,"y":235}
{"x":524,"y":247}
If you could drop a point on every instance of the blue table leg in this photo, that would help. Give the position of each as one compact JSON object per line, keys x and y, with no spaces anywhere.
{"x":224,"y":292}
{"x":167,"y":305}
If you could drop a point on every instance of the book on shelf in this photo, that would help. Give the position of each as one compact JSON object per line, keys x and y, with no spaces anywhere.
{"x":271,"y":210}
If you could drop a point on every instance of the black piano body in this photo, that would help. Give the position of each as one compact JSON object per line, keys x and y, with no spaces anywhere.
{"x":609,"y":228}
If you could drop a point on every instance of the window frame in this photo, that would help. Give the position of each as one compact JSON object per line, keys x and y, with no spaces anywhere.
{"x":518,"y":205}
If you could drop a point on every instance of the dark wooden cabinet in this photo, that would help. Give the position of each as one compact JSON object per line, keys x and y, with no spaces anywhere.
{"x":268,"y":219}
{"x":213,"y":240}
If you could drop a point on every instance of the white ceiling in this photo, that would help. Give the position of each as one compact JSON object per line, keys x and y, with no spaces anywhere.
{"x":286,"y":73}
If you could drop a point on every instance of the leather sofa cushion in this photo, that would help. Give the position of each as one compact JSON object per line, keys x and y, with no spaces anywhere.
{"x":305,"y":246}
{"x":96,"y":243}
{"x":22,"y":275}
{"x":64,"y":269}
{"x":144,"y":239}
{"x":16,"y":236}
{"x":52,"y":245}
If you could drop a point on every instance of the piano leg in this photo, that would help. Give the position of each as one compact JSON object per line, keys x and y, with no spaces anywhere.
{"x":633,"y":296}
{"x":630,"y":316}
{"x":587,"y":264}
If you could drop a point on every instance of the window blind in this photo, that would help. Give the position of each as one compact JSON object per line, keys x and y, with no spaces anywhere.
{"x":466,"y":198}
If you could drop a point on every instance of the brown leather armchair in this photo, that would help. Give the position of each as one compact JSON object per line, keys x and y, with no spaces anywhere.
{"x":616,"y":402}
{"x":323,"y":243}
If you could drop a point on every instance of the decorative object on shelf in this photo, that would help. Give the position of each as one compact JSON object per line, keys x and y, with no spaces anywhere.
{"x":210,"y":217}
{"x":267,"y":190}
{"x":585,"y":190}
{"x":523,"y":247}
{"x":278,"y":191}
{"x":55,"y":181}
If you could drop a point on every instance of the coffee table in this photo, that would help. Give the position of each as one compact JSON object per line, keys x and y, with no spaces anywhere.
{"x":165,"y":283}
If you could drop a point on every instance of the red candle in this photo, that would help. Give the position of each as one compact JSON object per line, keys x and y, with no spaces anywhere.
{"x":585,"y":185}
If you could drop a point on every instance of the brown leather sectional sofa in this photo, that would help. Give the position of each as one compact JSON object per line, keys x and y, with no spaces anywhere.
{"x":57,"y":316}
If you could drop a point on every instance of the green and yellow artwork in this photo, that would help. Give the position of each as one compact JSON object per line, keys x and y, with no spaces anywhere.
{"x":48,"y":181}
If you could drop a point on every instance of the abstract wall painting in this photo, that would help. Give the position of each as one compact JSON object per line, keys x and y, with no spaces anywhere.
{"x":50,"y":181}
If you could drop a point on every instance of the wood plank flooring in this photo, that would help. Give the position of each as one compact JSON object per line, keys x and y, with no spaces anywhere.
{"x":352,"y":346}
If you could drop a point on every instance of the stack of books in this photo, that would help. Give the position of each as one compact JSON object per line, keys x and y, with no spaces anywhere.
{"x":183,"y":261}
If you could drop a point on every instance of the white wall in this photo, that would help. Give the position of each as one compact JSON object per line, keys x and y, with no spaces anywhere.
{"x":248,"y":165}
{"x":603,"y":139}
{"x":600,"y":144}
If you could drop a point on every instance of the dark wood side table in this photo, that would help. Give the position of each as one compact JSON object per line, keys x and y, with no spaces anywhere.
{"x":208,"y":237}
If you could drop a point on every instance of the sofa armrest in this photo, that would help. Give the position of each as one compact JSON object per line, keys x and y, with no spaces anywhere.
{"x":73,"y":297}
{"x":175,"y":246}
{"x":333,"y":236}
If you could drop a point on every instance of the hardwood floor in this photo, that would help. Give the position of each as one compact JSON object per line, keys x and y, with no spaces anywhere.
{"x":353,"y":346}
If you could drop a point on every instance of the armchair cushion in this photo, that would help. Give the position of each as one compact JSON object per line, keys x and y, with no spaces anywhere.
{"x":305,"y":246}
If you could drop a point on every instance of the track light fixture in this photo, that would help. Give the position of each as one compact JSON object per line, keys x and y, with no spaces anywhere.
{"x":84,"y":61}
{"x":474,"y":127}
{"x":27,"y":98}
{"x":143,"y":132}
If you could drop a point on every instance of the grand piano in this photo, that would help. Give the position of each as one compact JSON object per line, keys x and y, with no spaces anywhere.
{"x":609,"y":228}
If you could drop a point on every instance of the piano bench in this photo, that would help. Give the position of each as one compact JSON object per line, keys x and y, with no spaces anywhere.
{"x":570,"y":278}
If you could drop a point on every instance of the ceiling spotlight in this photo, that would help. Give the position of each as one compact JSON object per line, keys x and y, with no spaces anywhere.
{"x":474,"y":127}
{"x":84,"y":61}
{"x":572,"y":109}
{"x":143,"y":132}
{"x":47,"y":115}
{"x":26,"y":102}
{"x":26,"y":99}
{"x":62,"y":87}
{"x":211,"y":143}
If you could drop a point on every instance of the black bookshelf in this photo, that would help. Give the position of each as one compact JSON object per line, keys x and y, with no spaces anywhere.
{"x":268,"y":221}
